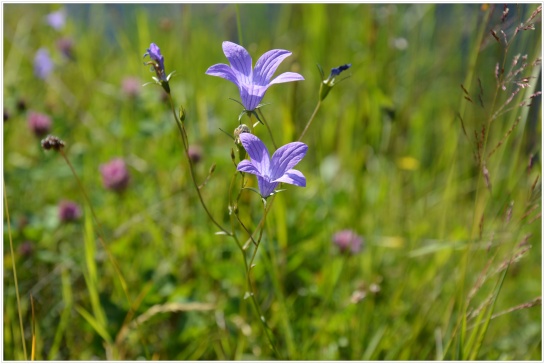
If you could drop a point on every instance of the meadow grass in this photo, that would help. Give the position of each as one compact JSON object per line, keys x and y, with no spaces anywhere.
{"x":420,"y":151}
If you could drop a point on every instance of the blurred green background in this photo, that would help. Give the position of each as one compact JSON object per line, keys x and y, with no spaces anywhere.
{"x":451,"y":267}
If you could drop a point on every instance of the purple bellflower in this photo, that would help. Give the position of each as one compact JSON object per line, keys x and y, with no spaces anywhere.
{"x":43,"y":65}
{"x":252,"y":83}
{"x":157,"y":63}
{"x":271,"y":171}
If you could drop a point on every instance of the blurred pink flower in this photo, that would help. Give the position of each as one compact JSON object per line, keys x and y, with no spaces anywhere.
{"x":115,"y":175}
{"x":39,"y":124}
{"x":131,"y":86}
{"x":195,"y":153}
{"x":69,"y":211}
{"x":348,"y":240}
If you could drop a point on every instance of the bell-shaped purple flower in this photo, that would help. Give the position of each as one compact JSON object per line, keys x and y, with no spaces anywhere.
{"x":271,"y":171}
{"x":252,"y":83}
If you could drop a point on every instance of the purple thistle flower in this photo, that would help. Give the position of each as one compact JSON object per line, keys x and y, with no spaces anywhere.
{"x":348,"y":240}
{"x":69,"y":211}
{"x":56,"y":19}
{"x":115,"y":175}
{"x":43,"y":65}
{"x":252,"y":83}
{"x":270,"y":172}
{"x":39,"y":124}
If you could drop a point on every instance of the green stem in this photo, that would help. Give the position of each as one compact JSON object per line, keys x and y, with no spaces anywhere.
{"x":248,"y":267}
{"x":268,"y":128}
{"x":310,"y":120}
{"x":185,"y":142}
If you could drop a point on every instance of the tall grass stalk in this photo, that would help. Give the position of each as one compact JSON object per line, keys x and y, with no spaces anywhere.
{"x":14,"y":272}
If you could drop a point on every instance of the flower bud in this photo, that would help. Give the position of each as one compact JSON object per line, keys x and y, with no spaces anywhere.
{"x":242,"y":128}
{"x":157,"y":63}
{"x":52,"y":142}
{"x":328,"y":83}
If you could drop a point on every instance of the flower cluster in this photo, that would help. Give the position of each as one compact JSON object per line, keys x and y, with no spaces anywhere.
{"x":254,"y":158}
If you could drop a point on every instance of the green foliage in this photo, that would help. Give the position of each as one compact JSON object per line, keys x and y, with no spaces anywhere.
{"x":445,"y":189}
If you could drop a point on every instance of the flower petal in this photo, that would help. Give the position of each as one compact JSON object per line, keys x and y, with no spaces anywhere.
{"x":267,"y":64}
{"x":251,"y":95}
{"x":293,"y":177}
{"x":287,"y":77}
{"x":265,"y":187}
{"x":240,"y":60}
{"x":248,"y":167}
{"x":223,"y":71}
{"x":286,"y":157}
{"x":258,"y":153}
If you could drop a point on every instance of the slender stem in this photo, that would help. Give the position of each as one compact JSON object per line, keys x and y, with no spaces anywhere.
{"x":185,"y":142}
{"x":268,"y":128}
{"x":311,"y":119}
{"x":247,"y":267}
{"x":14,"y":272}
